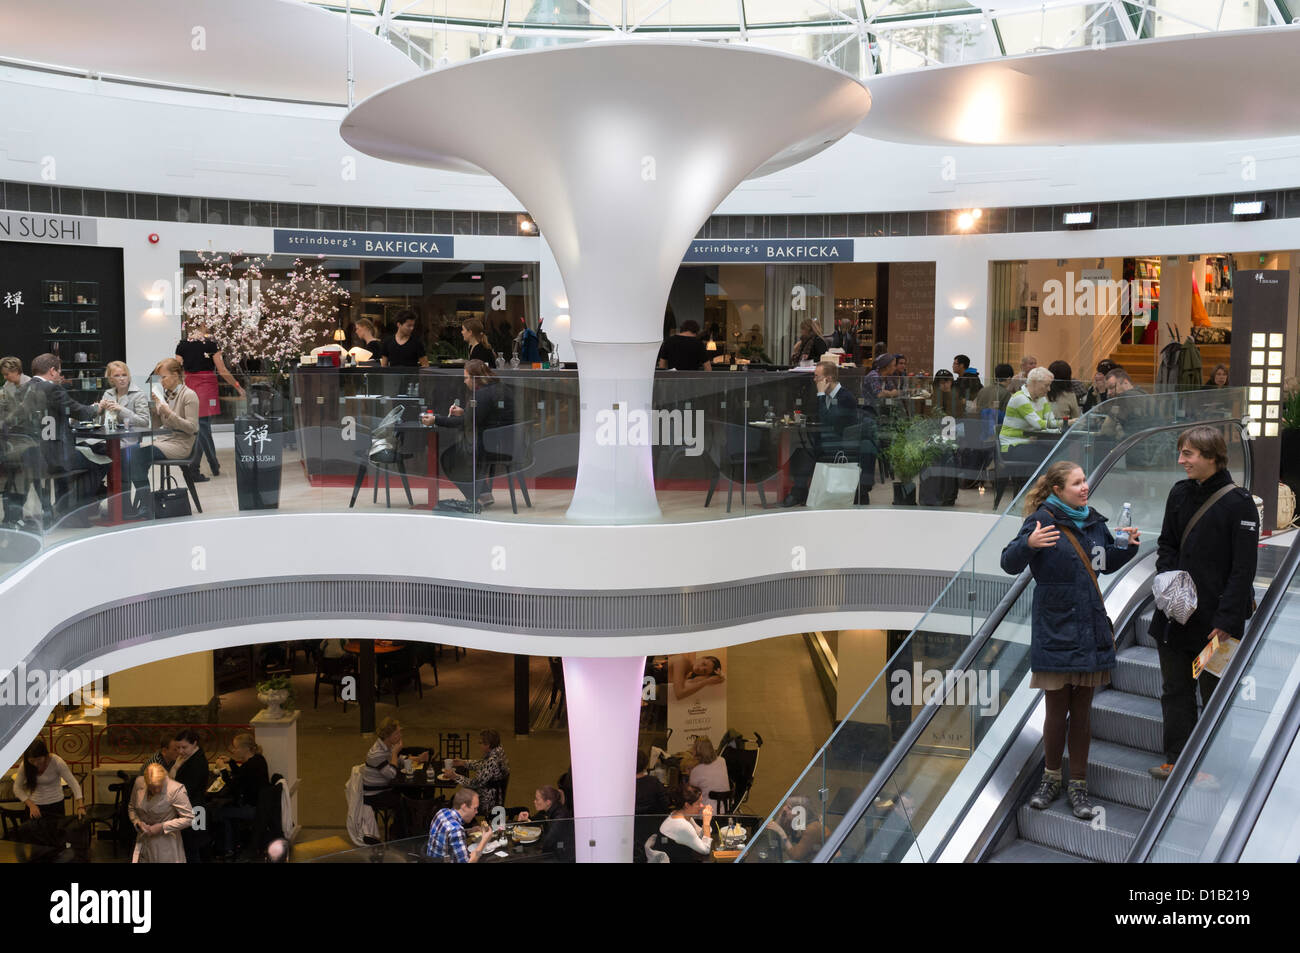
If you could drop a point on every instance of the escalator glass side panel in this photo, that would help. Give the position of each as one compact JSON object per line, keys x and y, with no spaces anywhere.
{"x":947,"y":766}
{"x":1206,"y":808}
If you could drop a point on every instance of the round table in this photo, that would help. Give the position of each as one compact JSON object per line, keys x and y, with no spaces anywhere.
{"x":381,"y":648}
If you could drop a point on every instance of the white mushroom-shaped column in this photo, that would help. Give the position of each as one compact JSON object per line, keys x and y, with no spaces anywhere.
{"x":620,"y":151}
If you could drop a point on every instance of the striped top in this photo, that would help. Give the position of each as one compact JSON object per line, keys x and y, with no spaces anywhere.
{"x":1025,"y":415}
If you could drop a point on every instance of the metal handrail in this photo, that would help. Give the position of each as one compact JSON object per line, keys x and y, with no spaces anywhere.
{"x":900,"y":750}
{"x":1199,"y":739}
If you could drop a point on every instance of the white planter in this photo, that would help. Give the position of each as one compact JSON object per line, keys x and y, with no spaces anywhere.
{"x":273,"y":701}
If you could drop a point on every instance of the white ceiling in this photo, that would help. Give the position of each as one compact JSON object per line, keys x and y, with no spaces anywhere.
{"x":1204,"y":87}
{"x":274,"y":48}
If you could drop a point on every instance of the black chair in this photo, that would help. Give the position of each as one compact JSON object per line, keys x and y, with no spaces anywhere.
{"x":332,"y":672}
{"x":427,"y":653}
{"x":189,"y":465}
{"x":12,"y":811}
{"x":381,"y":447}
{"x":417,"y":815}
{"x":1012,"y":469}
{"x":509,"y":451}
{"x":110,"y":816}
{"x":740,"y":455}
{"x":456,"y":651}
{"x":393,"y":669}
{"x":453,"y":745}
{"x":498,"y":791}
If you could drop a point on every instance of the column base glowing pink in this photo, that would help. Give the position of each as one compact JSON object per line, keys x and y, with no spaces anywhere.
{"x":604,"y":701}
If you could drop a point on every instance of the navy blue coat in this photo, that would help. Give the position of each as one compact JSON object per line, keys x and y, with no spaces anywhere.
{"x":1070,"y":629}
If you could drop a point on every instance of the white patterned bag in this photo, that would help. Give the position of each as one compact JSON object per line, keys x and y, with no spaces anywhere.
{"x":1175,"y":594}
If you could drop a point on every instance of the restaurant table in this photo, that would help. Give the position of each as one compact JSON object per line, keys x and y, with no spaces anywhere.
{"x":113,"y":440}
{"x":787,"y":435}
{"x":420,"y":786}
{"x":381,"y":648}
{"x":430,"y":454}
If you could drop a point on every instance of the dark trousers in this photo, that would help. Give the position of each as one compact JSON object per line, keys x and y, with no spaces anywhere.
{"x":229,"y":817}
{"x":141,"y":459}
{"x":1178,"y":695}
{"x":208,"y":444}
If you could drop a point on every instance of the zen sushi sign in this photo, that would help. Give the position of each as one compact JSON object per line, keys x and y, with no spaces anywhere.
{"x":716,"y":250}
{"x":50,"y":229}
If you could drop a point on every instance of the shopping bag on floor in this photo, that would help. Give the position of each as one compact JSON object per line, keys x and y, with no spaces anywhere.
{"x":834,"y":484}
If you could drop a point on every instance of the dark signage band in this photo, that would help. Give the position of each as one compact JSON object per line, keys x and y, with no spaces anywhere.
{"x":297,"y":241}
{"x":773,"y":250}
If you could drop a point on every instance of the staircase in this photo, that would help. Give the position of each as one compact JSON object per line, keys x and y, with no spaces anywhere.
{"x":1140,"y":361}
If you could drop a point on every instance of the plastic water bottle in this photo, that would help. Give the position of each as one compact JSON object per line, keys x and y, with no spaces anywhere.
{"x":1125,"y":519}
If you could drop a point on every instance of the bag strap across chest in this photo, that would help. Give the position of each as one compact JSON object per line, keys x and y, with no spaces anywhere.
{"x":1218,"y":494}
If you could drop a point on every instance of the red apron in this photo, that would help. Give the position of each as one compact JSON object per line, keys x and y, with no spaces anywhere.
{"x":204,"y":383}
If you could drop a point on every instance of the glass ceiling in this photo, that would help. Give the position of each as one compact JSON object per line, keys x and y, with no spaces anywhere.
{"x":862,"y":37}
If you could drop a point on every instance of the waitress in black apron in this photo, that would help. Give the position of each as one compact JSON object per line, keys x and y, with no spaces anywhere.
{"x":201,"y":356}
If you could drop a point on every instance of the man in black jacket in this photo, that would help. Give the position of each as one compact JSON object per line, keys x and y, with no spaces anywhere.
{"x":51,"y":407}
{"x":837,"y":410}
{"x":1220,"y":553}
{"x":192,"y":771}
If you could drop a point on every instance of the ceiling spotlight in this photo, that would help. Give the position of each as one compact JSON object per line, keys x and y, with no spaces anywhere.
{"x":965,"y":221}
{"x":1077,"y":219}
{"x":526,"y":225}
{"x":975,"y":213}
{"x":1254,"y":209}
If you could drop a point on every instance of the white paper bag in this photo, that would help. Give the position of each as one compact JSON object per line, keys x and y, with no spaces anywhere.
{"x":834,"y":484}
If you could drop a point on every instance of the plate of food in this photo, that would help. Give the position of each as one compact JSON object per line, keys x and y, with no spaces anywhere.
{"x":525,"y":835}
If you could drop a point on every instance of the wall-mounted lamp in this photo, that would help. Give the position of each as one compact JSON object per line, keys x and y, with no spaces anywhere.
{"x":527,"y":226}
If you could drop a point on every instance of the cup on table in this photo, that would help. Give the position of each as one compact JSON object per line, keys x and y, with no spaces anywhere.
{"x":447,"y":766}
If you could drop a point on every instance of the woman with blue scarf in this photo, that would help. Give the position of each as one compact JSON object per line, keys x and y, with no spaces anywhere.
{"x":1072,"y":642}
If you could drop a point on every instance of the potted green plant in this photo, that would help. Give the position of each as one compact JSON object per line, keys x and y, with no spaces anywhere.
{"x":914,"y":445}
{"x":277,"y":694}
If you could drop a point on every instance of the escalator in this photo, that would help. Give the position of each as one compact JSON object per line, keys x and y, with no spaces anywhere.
{"x":1127,"y":733}
{"x":946,"y":777}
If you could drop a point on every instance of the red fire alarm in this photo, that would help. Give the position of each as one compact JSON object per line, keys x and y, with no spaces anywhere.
{"x":153,"y":238}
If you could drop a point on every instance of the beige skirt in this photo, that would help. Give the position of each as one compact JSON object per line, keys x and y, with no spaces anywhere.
{"x":1052,"y":681}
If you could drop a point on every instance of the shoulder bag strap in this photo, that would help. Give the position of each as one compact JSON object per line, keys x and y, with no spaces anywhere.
{"x":1196,"y":517}
{"x":1092,"y":573}
{"x":1087,"y":563}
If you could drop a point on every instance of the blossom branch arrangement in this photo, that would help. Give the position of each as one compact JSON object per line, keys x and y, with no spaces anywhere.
{"x":251,"y":318}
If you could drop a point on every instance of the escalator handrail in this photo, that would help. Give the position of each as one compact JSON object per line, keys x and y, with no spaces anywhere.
{"x":835,"y":840}
{"x":1199,"y":739}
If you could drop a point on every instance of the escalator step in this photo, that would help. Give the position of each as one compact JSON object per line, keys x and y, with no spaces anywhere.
{"x":1122,"y":774}
{"x":1059,"y":829}
{"x":1134,"y":721}
{"x":1026,"y":852}
{"x":1137,"y":671}
{"x":1141,"y":629}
